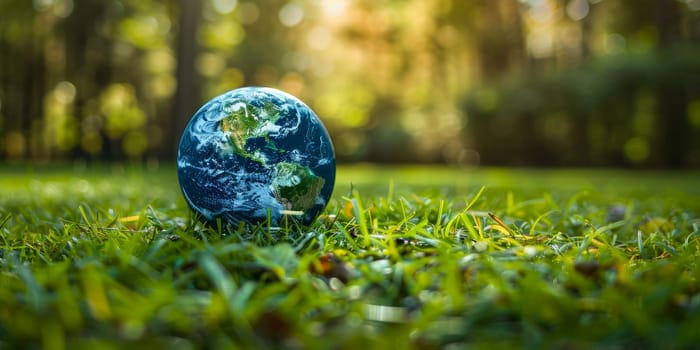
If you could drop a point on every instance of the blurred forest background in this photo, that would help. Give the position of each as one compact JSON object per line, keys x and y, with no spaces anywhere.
{"x":468,"y":82}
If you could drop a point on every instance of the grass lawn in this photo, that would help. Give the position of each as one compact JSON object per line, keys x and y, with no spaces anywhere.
{"x":411,"y":257}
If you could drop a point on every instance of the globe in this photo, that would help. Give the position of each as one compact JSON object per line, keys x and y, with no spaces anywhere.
{"x":256,"y":155}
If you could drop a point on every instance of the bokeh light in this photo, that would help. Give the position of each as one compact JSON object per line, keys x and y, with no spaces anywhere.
{"x":225,"y":6}
{"x":291,"y":14}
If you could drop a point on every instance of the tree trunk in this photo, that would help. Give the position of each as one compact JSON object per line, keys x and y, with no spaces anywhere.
{"x":671,"y":94}
{"x":187,"y":96}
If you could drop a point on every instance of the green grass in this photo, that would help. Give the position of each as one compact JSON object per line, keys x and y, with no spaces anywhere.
{"x":413,"y":257}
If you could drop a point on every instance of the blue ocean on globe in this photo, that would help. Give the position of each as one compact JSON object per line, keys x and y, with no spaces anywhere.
{"x":256,"y":155}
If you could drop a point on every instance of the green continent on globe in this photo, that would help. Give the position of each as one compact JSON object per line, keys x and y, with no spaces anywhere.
{"x":296,"y":186}
{"x":245,"y":121}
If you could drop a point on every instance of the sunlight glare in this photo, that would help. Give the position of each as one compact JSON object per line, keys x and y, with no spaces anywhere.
{"x":334,"y":8}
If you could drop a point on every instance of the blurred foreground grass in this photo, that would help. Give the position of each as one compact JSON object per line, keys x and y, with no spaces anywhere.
{"x":419,"y":257}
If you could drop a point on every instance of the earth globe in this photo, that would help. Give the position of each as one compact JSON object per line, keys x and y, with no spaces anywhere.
{"x":256,"y":155}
